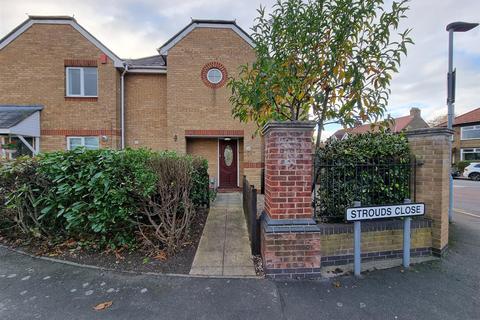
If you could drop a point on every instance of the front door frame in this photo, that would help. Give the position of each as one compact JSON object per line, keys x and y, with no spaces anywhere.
{"x":218,"y":160}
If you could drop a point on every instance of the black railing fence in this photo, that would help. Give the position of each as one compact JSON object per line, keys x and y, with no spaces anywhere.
{"x":250,"y":211}
{"x":379,"y":182}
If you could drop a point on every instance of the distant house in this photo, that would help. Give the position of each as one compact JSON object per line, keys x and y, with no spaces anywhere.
{"x":466,"y":139}
{"x":413,"y":121}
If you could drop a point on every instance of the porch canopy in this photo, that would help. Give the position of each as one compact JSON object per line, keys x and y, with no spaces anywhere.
{"x":21,"y":121}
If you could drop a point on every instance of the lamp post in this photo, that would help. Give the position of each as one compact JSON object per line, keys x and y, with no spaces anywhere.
{"x":451,"y":28}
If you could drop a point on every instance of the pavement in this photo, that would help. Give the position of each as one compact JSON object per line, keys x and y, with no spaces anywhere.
{"x":31,"y":288}
{"x":224,"y":248}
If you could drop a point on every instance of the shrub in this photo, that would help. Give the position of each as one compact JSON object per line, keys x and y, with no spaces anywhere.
{"x":373,"y":168}
{"x":168,"y":211}
{"x":461,"y":165}
{"x":21,"y":188}
{"x":102,"y":195}
{"x":200,"y":192}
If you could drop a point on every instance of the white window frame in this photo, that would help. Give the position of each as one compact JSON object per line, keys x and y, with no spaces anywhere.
{"x":475,"y":127}
{"x":82,"y":138}
{"x":215,"y":69}
{"x":462,"y":152}
{"x":82,"y":82}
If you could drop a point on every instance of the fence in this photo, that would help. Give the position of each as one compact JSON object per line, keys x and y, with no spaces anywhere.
{"x":250,"y":211}
{"x":376,"y":183}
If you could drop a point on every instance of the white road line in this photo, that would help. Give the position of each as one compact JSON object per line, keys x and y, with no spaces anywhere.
{"x":466,"y":213}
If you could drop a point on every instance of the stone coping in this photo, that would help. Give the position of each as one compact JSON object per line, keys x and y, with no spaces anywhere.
{"x":429,"y":132}
{"x":288,"y":125}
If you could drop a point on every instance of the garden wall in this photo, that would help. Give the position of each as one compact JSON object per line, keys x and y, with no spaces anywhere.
{"x":294,"y":246}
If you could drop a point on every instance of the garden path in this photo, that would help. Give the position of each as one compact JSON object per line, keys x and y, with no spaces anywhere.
{"x":224,"y":249}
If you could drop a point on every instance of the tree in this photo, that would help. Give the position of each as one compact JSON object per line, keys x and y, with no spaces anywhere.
{"x":438,"y":120}
{"x":327,"y":59}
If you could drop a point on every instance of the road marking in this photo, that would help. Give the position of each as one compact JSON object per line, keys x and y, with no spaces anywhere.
{"x":466,"y":213}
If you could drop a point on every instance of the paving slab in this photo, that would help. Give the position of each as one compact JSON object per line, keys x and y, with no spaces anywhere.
{"x":224,"y":249}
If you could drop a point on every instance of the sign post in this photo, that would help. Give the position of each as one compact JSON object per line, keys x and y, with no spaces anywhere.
{"x":358,"y":214}
{"x":357,"y":246}
{"x":406,"y":238}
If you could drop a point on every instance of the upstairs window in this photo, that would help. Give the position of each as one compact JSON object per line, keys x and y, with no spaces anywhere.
{"x":82,"y":81}
{"x":90,"y":143}
{"x":471,"y":132}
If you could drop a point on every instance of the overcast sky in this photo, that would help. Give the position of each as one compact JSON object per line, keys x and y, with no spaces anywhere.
{"x":136,"y":28}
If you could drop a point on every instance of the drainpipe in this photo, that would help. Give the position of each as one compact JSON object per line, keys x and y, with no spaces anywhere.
{"x":122,"y":105}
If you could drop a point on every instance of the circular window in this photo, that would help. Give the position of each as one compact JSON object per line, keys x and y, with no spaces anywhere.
{"x":214,"y":76}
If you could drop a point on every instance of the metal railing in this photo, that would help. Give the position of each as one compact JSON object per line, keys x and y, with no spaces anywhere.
{"x":250,"y":211}
{"x":379,"y":182}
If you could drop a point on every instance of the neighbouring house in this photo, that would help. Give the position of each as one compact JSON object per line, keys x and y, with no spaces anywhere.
{"x":466,"y":139}
{"x":61,"y":88}
{"x":413,"y":121}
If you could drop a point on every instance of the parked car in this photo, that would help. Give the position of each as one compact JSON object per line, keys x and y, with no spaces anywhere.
{"x":472,"y":171}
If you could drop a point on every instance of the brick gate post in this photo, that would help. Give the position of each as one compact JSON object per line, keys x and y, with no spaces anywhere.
{"x":290,"y":237}
{"x":432,"y":147}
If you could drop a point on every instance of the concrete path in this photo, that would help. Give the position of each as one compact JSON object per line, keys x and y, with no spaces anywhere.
{"x":224,"y":248}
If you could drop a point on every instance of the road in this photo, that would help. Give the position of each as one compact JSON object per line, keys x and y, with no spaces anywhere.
{"x":443,"y":289}
{"x":466,"y":196}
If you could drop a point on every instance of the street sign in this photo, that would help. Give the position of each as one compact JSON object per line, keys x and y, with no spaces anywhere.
{"x":382,"y":212}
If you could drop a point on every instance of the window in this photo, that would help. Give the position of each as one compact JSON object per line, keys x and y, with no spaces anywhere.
{"x":471,"y":132}
{"x":470,"y":154}
{"x":214,"y":75}
{"x":82,"y":82}
{"x":90,"y":143}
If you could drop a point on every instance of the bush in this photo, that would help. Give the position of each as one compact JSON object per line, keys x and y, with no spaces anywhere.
{"x":373,"y":168}
{"x":99,"y":195}
{"x":461,"y":165}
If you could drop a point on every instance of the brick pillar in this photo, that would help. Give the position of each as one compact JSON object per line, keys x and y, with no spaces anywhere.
{"x":432,"y":147}
{"x":290,"y":236}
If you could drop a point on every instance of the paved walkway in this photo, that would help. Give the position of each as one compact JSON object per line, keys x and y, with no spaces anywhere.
{"x":224,"y":248}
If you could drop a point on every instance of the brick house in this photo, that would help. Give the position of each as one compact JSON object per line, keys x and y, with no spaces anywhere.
{"x":466,"y":139}
{"x":70,"y":90}
{"x":413,"y":121}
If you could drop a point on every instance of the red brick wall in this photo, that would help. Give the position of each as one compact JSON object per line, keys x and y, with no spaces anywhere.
{"x":288,"y":174}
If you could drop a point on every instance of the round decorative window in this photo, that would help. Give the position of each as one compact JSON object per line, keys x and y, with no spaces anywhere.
{"x":228,"y":156}
{"x":214,"y":75}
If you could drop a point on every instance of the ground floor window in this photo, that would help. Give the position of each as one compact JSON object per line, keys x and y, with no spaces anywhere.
{"x":470,"y":154}
{"x":13,"y":147}
{"x":90,"y":143}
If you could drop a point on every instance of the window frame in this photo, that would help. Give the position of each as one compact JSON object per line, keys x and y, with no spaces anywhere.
{"x":462,"y":153}
{"x":467,"y":128}
{"x":217,"y":70}
{"x":82,"y":82}
{"x":82,"y":138}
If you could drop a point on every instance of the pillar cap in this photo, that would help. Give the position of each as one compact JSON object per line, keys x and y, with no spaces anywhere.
{"x":436,"y":131}
{"x":289,"y":125}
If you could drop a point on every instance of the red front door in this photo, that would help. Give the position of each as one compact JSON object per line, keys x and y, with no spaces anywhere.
{"x":227,"y":159}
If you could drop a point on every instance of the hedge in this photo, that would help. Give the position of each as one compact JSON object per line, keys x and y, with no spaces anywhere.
{"x":373,"y":168}
{"x":93,"y":194}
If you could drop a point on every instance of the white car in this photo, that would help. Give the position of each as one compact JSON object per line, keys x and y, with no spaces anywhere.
{"x":472,"y":171}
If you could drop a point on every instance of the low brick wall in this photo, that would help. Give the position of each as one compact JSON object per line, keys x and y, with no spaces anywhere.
{"x":381,"y":240}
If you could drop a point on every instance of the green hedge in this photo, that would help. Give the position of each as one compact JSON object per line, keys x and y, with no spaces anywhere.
{"x":93,"y":194}
{"x":373,"y":168}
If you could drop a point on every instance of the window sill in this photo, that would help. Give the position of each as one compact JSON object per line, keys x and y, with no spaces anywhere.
{"x":90,"y":99}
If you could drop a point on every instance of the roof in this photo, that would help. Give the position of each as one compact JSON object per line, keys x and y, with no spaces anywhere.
{"x":156,"y":60}
{"x":469,"y":117}
{"x":11,"y":36}
{"x":397,"y":125}
{"x":198,"y":23}
{"x":11,"y":115}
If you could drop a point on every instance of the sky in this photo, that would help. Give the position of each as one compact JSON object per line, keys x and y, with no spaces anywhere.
{"x":134,"y":29}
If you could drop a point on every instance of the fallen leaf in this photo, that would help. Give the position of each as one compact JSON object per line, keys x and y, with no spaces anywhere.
{"x":103,"y":305}
{"x":162,"y":256}
{"x":337,"y":284}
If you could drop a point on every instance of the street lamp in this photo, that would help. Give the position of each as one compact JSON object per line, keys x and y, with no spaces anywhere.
{"x":451,"y":28}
